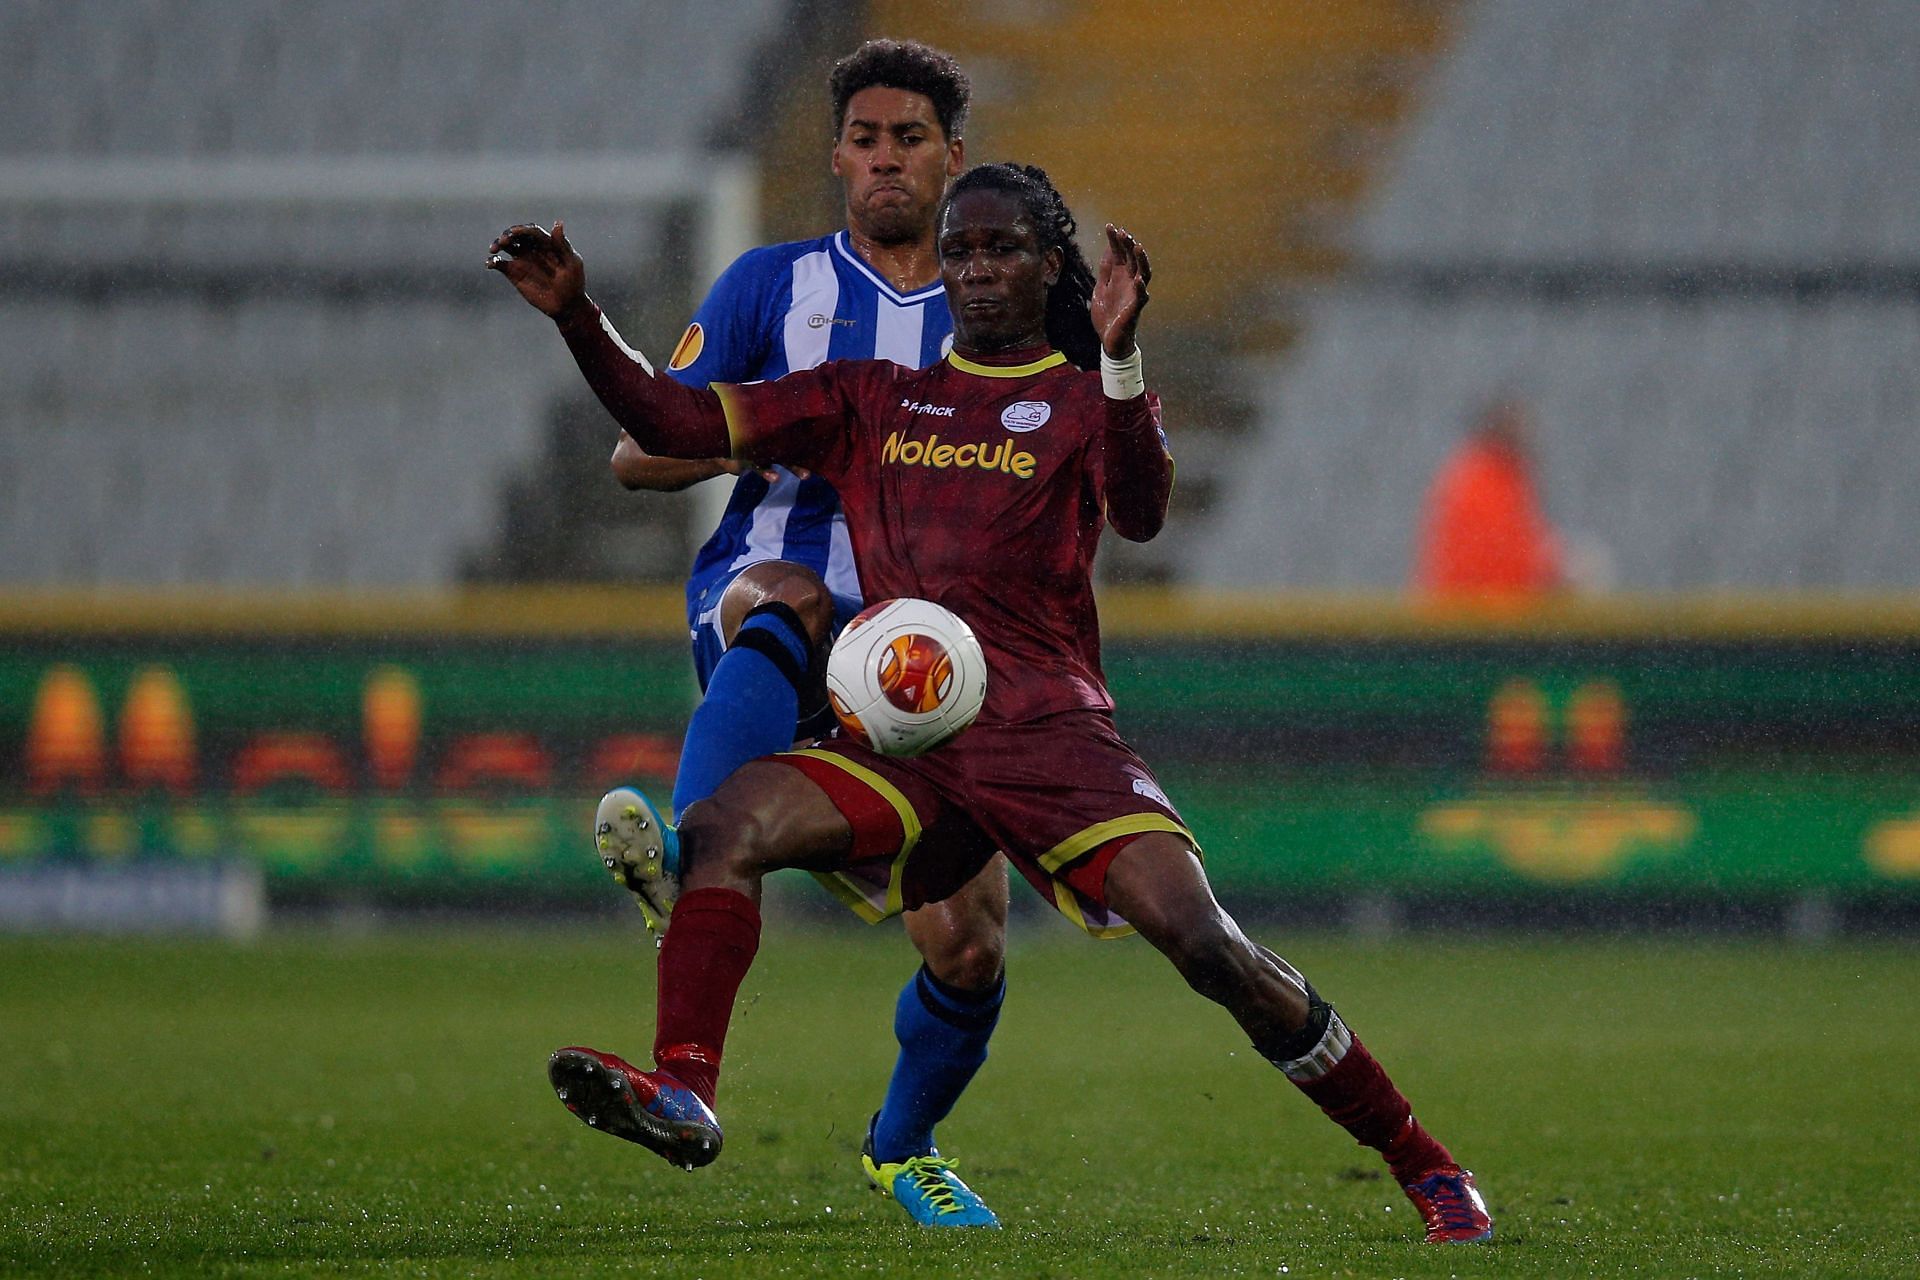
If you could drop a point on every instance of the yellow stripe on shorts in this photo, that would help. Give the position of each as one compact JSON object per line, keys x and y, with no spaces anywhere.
{"x":1067,"y":903}
{"x":1084,"y":842}
{"x":852,"y":891}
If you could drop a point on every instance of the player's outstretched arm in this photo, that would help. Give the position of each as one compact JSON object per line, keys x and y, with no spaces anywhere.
{"x":1137,"y":469}
{"x":663,"y":417}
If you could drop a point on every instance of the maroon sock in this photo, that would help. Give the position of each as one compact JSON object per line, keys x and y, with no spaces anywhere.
{"x":1357,"y":1096}
{"x":709,"y":947}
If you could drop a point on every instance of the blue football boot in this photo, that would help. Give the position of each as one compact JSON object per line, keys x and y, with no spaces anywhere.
{"x":927,"y":1188}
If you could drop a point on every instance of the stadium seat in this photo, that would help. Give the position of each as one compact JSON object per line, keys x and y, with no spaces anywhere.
{"x":287,"y":435}
{"x":1728,"y":440}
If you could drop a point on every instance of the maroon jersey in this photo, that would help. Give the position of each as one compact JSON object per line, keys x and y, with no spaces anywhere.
{"x":981,"y":487}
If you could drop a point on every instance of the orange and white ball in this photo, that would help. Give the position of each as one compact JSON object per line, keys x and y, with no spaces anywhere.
{"x":905,"y":676}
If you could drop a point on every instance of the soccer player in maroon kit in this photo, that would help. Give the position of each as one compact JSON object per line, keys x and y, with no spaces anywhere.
{"x":980,"y":483}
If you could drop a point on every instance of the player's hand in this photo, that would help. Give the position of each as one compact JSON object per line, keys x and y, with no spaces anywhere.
{"x":740,"y":467}
{"x":542,"y":265}
{"x":1120,"y":292}
{"x":770,"y":474}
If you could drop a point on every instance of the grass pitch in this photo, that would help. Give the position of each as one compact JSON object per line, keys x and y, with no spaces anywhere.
{"x":334,"y":1104}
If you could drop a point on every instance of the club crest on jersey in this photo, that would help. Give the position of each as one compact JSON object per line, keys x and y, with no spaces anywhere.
{"x":692,"y":343}
{"x":1027,"y":415}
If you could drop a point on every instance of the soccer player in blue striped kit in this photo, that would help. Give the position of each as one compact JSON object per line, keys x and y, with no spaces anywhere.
{"x":776,"y":581}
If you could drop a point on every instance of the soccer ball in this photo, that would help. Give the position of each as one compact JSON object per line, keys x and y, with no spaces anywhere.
{"x":905,"y":676}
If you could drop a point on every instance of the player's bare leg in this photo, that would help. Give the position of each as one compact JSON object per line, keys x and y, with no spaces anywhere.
{"x":963,"y":940}
{"x":765,"y":818}
{"x":1158,"y":885}
{"x":778,"y":582}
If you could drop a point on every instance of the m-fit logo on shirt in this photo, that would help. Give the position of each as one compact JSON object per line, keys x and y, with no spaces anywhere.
{"x":931,"y":453}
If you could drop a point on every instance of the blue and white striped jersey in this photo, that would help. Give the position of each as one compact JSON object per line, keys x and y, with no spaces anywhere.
{"x":777,"y":309}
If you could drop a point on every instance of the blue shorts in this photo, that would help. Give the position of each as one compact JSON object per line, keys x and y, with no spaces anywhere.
{"x":703,"y":623}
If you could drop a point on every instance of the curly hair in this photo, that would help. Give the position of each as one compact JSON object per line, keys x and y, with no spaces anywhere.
{"x":1070,"y":328}
{"x":908,"y":65}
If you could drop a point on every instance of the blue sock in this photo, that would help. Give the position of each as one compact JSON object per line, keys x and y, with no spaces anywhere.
{"x":943,"y":1036}
{"x":750,"y":705}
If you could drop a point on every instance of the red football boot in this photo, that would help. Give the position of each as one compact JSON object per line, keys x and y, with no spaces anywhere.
{"x":651,"y":1108}
{"x":1451,"y":1206}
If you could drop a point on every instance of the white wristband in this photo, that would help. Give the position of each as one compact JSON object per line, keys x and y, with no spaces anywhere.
{"x":1121,"y":379}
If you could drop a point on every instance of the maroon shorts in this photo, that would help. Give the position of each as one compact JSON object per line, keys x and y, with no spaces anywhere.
{"x":1060,"y":796}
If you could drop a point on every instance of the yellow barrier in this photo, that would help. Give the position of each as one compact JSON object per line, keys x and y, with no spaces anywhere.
{"x":655,"y":612}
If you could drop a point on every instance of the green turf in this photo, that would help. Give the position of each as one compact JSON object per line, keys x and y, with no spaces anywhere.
{"x":321,"y":1103}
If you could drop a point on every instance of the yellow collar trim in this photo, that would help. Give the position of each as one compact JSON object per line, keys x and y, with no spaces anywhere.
{"x":1041,"y":365}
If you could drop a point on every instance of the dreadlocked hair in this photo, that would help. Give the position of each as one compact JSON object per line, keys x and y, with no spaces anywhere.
{"x":1070,"y":328}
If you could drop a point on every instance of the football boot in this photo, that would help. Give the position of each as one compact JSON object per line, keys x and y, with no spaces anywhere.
{"x":651,"y":1108}
{"x":641,"y":851}
{"x":926,"y":1187}
{"x":1451,"y":1206}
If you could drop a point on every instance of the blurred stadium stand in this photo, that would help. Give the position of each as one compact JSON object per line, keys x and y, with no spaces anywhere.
{"x":326,"y":390}
{"x":1685,"y":232}
{"x":1689,"y":235}
{"x":352,"y":77}
{"x":1238,"y":141}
